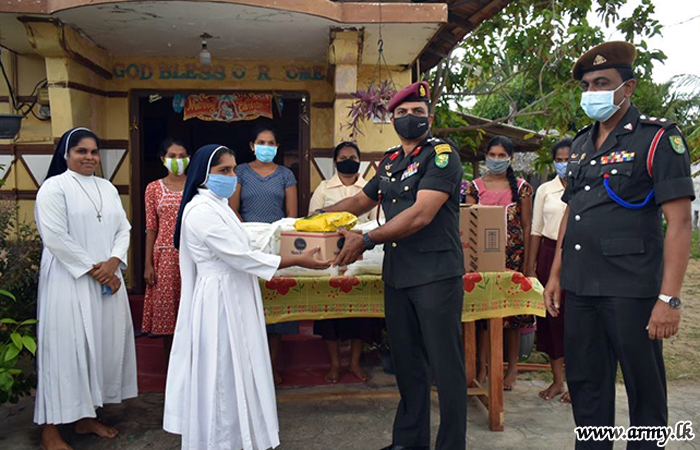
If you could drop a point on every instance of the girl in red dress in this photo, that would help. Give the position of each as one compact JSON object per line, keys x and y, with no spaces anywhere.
{"x":162,"y":268}
{"x":501,"y":187}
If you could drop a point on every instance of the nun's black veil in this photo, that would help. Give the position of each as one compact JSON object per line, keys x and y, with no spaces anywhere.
{"x":69,"y":140}
{"x":197,"y":172}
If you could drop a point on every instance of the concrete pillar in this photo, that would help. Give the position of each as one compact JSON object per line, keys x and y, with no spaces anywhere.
{"x":345,"y":56}
{"x":76,"y":68}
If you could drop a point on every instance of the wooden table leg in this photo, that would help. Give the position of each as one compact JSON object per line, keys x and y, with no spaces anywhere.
{"x":469,"y":338}
{"x":496,"y":420}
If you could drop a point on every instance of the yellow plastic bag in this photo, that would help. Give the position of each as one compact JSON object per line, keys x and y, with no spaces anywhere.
{"x":326,"y":222}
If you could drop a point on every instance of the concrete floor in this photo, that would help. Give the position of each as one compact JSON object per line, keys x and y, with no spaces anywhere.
{"x":355,"y":424}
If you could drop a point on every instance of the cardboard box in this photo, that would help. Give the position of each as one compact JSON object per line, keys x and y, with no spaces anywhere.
{"x":297,"y":242}
{"x":482,"y":230}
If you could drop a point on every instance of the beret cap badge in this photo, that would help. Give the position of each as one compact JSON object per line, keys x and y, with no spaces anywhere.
{"x":599,"y":59}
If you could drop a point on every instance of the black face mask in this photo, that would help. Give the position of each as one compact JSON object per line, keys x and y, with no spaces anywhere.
{"x":411,"y":127}
{"x":348,"y":166}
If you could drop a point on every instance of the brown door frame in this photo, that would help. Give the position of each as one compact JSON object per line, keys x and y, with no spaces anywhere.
{"x":136,"y":158}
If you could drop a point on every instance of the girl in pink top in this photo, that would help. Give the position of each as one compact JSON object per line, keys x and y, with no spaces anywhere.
{"x":500,"y":187}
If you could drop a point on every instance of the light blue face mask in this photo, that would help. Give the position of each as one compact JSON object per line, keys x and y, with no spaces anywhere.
{"x":600,"y":105}
{"x":497,"y":166}
{"x":222,"y":185}
{"x":265,"y":153}
{"x":560,"y":168}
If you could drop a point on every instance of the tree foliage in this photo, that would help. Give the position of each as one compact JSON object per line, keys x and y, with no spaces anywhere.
{"x":516,"y":68}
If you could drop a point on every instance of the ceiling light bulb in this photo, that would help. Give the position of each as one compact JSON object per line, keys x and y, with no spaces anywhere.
{"x":204,"y":55}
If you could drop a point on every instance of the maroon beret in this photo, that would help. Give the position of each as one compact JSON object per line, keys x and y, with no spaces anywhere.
{"x":608,"y":55}
{"x":416,"y":92}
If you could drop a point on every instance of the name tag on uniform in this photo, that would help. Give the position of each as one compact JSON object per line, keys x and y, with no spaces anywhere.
{"x":617,"y":157}
{"x":410,"y":171}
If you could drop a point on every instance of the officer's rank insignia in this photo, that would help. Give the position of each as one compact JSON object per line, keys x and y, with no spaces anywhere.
{"x":599,"y":59}
{"x":617,"y":157}
{"x":443,"y":148}
{"x":442,"y":160}
{"x":677,"y":144}
{"x":628,"y":127}
{"x":422,"y":91}
{"x":410,"y":170}
{"x":583,"y":156}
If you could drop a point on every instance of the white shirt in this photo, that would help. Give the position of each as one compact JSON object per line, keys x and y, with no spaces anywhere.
{"x":548,"y":210}
{"x":330,"y":192}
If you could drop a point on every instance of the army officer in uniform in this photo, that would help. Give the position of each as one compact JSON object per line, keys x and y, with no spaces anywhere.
{"x":622,"y":277}
{"x":417,"y":185}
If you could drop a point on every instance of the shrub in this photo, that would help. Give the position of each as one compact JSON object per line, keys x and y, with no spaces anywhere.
{"x":20,"y":256}
{"x":14,"y":381}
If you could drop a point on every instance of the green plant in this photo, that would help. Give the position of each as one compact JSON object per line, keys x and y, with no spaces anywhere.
{"x":14,"y":381}
{"x":20,"y":254}
{"x":515,"y":69}
{"x":368,"y":105}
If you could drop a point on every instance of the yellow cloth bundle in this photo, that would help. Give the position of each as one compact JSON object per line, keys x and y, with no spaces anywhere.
{"x":326,"y":222}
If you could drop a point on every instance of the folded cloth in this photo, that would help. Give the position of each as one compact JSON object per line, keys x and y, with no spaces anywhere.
{"x":292,"y":272}
{"x":371,"y":264}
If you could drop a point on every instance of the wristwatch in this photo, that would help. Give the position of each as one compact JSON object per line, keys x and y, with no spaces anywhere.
{"x":673,"y":302}
{"x":369,"y":243}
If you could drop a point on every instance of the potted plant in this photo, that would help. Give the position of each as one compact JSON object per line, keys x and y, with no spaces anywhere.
{"x":370,"y":104}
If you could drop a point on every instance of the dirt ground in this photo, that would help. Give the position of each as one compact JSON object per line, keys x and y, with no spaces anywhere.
{"x":682,"y":352}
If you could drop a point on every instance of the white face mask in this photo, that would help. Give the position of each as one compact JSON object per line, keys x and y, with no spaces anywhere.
{"x":600,"y":105}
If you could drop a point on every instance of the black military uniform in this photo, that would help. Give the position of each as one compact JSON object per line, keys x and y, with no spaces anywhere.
{"x":424,"y":294}
{"x":612,"y":262}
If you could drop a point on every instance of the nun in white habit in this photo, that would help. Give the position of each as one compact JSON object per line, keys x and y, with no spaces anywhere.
{"x":86,"y":356}
{"x":220,"y":394}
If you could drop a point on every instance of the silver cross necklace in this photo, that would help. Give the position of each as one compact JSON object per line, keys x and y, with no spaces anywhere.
{"x":98,"y":210}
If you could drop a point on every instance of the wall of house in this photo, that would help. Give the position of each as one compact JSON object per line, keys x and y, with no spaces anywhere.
{"x":80,"y":97}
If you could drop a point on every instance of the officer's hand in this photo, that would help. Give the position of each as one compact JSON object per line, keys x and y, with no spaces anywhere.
{"x":664,"y":321}
{"x":552,"y":296}
{"x":352,"y":249}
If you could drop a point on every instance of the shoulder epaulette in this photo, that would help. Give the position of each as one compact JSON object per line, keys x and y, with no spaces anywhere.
{"x":659,"y":122}
{"x":583,"y":131}
{"x":392,"y":149}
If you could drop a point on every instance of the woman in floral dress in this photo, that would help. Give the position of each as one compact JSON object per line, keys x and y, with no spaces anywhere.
{"x":501,"y":187}
{"x":162,"y":271}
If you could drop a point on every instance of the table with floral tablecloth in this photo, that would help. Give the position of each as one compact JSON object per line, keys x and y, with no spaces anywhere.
{"x":486,"y":295}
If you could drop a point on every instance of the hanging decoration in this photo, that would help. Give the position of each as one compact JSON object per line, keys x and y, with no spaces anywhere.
{"x":228,"y":108}
{"x":179,"y":101}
